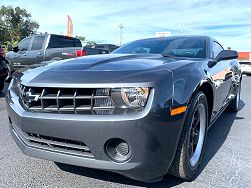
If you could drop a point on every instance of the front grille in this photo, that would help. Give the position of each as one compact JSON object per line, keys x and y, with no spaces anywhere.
{"x":67,"y":100}
{"x":56,"y":144}
{"x":64,"y":145}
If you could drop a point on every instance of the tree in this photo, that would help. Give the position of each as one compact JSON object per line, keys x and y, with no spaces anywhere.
{"x":91,"y":42}
{"x":80,"y":38}
{"x":88,"y":42}
{"x":16,"y":24}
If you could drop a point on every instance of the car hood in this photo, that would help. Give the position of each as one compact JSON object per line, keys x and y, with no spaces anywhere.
{"x":110,"y":68}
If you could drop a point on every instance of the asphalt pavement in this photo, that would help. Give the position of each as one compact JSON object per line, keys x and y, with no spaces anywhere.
{"x":226,"y":163}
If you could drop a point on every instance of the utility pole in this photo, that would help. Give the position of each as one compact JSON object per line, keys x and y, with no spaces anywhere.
{"x":120,"y":27}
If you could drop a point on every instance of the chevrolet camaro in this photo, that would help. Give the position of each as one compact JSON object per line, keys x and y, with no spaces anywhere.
{"x":142,"y":111}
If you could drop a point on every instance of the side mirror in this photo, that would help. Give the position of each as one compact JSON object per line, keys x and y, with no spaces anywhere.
{"x":226,"y":55}
{"x":15,"y":49}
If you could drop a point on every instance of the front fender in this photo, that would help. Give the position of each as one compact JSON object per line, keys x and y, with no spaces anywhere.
{"x":186,"y":83}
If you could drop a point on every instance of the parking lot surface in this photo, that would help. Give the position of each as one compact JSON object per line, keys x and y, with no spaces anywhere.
{"x":226,"y":163}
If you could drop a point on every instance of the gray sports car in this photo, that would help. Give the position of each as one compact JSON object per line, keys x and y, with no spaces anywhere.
{"x":142,"y":111}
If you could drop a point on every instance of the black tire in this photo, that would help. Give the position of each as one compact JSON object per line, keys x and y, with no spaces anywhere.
{"x":234,"y":105}
{"x":1,"y":85}
{"x":184,"y":165}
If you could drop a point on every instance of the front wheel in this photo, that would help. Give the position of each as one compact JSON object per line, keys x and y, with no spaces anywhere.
{"x":1,"y":85}
{"x":192,"y":140}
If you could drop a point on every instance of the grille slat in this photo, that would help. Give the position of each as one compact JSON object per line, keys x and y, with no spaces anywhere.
{"x":40,"y":139}
{"x":67,"y":100}
{"x":56,"y":144}
{"x":36,"y":108}
{"x":41,"y":100}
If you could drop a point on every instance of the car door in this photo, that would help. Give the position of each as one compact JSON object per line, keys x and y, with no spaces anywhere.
{"x":35,"y":54}
{"x":221,"y":75}
{"x":19,"y":58}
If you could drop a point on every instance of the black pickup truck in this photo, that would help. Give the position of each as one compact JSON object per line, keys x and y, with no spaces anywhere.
{"x":101,"y":48}
{"x":44,"y":47}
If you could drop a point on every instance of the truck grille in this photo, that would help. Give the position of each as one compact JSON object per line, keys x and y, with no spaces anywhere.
{"x":67,"y":100}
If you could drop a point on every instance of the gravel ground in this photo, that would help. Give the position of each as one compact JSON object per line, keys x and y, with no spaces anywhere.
{"x":227,"y":160}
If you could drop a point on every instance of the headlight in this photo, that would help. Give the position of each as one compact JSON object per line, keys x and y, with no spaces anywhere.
{"x":135,"y":96}
{"x":11,"y":83}
{"x":120,"y":100}
{"x":130,"y":97}
{"x":14,"y":85}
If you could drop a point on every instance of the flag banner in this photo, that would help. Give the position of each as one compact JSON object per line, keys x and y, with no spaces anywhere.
{"x":69,"y":26}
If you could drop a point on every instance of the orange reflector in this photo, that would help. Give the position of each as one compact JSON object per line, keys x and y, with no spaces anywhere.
{"x":178,"y":110}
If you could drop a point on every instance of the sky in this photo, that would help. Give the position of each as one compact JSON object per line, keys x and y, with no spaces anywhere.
{"x":228,"y":21}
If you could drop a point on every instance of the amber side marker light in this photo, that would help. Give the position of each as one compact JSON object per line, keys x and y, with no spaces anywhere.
{"x":178,"y":110}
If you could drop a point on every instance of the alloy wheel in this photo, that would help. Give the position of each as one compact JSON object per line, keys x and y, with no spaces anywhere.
{"x":197,"y":134}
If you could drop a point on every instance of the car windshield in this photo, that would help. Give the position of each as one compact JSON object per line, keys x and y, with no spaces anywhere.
{"x":190,"y":47}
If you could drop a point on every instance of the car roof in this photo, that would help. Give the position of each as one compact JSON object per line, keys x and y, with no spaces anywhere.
{"x":46,"y":34}
{"x":174,"y":37}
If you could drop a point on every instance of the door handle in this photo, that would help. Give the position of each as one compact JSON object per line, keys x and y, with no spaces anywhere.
{"x":39,"y":53}
{"x":24,"y":54}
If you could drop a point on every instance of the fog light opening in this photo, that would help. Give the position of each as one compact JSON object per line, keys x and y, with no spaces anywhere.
{"x":118,"y":150}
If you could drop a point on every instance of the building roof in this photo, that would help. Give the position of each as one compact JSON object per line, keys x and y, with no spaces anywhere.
{"x":244,"y":55}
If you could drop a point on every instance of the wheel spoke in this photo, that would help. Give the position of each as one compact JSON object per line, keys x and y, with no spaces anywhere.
{"x":196,"y":119}
{"x":190,"y":149}
{"x":197,"y":128}
{"x":196,"y":138}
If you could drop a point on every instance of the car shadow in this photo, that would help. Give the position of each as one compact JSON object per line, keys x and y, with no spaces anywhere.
{"x":2,"y":94}
{"x":168,"y":181}
{"x":216,"y":137}
{"x":218,"y":133}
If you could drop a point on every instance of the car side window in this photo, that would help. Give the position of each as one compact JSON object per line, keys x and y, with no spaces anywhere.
{"x":24,"y":44}
{"x":77,"y":43}
{"x":37,"y":43}
{"x":217,"y":48}
{"x":61,"y":42}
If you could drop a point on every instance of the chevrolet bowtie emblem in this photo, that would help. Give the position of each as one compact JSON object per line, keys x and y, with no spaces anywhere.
{"x":29,"y":97}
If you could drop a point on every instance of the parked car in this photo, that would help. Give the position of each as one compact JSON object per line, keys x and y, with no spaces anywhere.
{"x":246,"y":67}
{"x":142,"y":111}
{"x":3,"y":68}
{"x":99,"y":49}
{"x":93,"y":51}
{"x":107,"y":47}
{"x":44,"y":47}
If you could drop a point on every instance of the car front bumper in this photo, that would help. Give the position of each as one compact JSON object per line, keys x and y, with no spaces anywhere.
{"x":152,"y":138}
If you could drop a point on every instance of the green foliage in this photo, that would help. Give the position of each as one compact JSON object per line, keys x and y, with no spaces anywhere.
{"x":83,"y":39}
{"x":80,"y":38}
{"x":91,"y":43}
{"x":15,"y":24}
